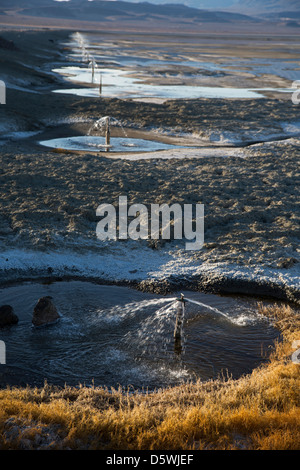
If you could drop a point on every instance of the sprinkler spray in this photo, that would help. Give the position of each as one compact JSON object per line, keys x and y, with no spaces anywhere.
{"x":180,"y":316}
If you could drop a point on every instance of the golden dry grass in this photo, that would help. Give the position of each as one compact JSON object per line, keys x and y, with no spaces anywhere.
{"x":259,"y":411}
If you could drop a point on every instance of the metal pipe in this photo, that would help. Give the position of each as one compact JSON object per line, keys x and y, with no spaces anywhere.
{"x":100,"y":85}
{"x":178,"y":324}
{"x":107,"y":133}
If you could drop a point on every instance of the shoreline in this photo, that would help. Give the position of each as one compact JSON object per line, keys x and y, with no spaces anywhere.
{"x":220,"y":280}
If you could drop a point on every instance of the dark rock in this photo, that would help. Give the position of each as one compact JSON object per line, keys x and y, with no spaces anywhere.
{"x":44,"y":312}
{"x":9,"y":45}
{"x":7,"y":316}
{"x":286,"y":263}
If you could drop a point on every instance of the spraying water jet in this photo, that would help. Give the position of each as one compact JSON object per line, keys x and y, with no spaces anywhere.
{"x":180,"y":318}
{"x":106,"y":122}
{"x":213,"y":309}
{"x":93,"y":66}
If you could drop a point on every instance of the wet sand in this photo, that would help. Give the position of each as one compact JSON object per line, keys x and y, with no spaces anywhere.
{"x":49,"y":198}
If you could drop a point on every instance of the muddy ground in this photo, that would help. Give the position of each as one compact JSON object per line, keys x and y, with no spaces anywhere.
{"x":49,"y":198}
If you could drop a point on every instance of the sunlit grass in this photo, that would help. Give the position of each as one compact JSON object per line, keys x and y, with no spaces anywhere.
{"x":258,"y":411}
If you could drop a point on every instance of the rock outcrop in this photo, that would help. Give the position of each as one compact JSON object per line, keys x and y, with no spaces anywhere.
{"x":7,"y":316}
{"x":45,"y":312}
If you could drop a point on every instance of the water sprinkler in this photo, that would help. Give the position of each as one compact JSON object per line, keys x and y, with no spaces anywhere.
{"x":181,"y":299}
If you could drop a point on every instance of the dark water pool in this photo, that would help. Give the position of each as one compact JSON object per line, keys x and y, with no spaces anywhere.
{"x":110,"y":335}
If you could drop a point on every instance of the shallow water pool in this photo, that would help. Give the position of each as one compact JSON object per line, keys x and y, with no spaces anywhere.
{"x":118,"y":83}
{"x":97,"y":144}
{"x":109,"y":335}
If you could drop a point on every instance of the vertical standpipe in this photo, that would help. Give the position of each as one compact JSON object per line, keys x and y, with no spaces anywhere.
{"x":93,"y":71}
{"x":100,"y":85}
{"x":107,"y":133}
{"x":178,"y":323}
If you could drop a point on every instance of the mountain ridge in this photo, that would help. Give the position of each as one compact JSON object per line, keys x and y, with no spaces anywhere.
{"x":137,"y":15}
{"x":87,"y":10}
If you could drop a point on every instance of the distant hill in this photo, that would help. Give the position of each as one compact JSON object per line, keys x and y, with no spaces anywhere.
{"x":200,"y":4}
{"x":99,"y":10}
{"x":268,"y":8}
{"x":265,"y":16}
